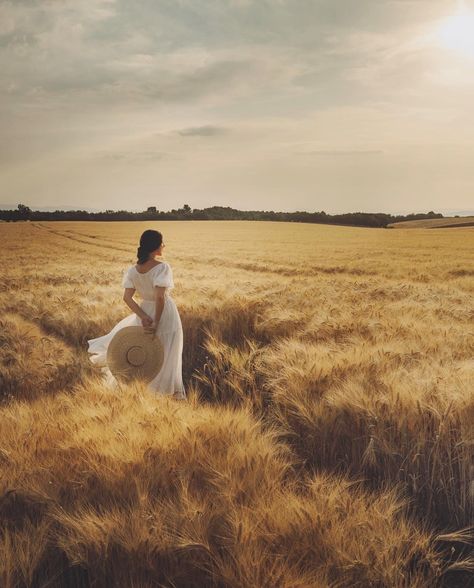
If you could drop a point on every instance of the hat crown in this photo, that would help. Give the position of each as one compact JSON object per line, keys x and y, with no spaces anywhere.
{"x":136,"y":356}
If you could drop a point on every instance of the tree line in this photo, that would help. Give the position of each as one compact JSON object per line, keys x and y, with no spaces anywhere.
{"x":358,"y":219}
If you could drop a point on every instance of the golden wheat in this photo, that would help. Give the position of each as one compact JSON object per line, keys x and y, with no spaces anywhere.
{"x":433,"y":223}
{"x":329,"y":436}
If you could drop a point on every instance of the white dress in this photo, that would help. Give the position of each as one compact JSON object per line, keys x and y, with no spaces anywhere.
{"x":170,"y":330}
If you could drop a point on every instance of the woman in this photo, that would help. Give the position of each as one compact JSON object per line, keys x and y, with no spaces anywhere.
{"x":157,"y":312}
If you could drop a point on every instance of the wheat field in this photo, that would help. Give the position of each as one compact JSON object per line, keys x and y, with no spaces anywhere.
{"x":328,"y":436}
{"x":433,"y":223}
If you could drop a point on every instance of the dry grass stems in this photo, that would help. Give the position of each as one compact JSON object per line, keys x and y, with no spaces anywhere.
{"x":328,"y":439}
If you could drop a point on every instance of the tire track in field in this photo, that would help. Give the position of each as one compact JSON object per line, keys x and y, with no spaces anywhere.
{"x":191,"y":259}
{"x":95,"y":238}
{"x":254,"y":267}
{"x":98,"y":252}
{"x":248,"y":266}
{"x":58,"y":244}
{"x":79,"y":240}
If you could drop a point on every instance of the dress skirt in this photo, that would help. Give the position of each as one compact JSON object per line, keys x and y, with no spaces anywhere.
{"x":170,"y":332}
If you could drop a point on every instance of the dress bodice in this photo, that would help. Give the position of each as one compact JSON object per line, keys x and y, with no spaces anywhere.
{"x":144,"y":283}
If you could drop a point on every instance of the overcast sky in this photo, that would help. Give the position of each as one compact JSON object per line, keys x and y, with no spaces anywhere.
{"x":335,"y":105}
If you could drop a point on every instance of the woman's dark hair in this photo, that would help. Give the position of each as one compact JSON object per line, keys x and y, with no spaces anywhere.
{"x":149,"y":241}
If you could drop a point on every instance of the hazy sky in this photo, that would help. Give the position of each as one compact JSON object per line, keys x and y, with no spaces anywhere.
{"x":335,"y":105}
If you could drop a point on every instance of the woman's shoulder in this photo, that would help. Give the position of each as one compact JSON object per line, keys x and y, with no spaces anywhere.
{"x":162,"y":268}
{"x":127,"y":277}
{"x":162,"y":264}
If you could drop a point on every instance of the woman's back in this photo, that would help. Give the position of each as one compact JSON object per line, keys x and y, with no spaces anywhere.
{"x":144,"y":283}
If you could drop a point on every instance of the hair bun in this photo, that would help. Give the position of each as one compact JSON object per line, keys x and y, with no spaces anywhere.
{"x":150,"y":240}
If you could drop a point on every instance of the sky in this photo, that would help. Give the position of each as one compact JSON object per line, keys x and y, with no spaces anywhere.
{"x":334,"y":105}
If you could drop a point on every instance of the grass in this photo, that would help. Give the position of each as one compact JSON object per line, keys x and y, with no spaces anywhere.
{"x":329,"y":435}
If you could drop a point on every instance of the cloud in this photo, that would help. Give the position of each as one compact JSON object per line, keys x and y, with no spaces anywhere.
{"x":285,"y":87}
{"x":204,"y":131}
{"x":134,"y":156}
{"x":341,"y":152}
{"x":83,"y":55}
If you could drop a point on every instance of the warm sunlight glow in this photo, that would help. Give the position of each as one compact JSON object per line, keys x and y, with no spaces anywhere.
{"x":457,"y":32}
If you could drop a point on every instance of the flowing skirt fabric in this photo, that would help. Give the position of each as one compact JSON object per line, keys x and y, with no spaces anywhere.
{"x":170,"y":332}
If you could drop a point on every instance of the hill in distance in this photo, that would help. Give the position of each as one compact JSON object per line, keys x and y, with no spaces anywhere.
{"x":435,"y":223}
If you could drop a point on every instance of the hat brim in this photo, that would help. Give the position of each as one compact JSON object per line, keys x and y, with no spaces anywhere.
{"x":133,"y":354}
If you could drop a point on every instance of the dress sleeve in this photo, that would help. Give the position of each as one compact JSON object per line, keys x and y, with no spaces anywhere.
{"x":164,"y":276}
{"x":126,"y":280}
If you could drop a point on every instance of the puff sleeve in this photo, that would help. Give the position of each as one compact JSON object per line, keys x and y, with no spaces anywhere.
{"x":163,"y":276}
{"x":126,"y":280}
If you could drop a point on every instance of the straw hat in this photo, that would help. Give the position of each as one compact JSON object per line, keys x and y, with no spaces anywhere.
{"x":134,"y":354}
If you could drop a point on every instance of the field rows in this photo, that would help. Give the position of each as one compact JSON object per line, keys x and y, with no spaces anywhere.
{"x":341,"y":357}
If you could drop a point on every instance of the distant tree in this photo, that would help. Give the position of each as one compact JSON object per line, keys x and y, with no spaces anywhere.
{"x":432,"y":214}
{"x":24,"y":211}
{"x":361,"y":219}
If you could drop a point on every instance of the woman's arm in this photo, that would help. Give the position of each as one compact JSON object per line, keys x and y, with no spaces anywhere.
{"x":159,"y":305}
{"x":130,"y":302}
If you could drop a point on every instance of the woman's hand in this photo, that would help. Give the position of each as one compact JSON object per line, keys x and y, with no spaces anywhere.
{"x":147,"y":324}
{"x":152,"y":330}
